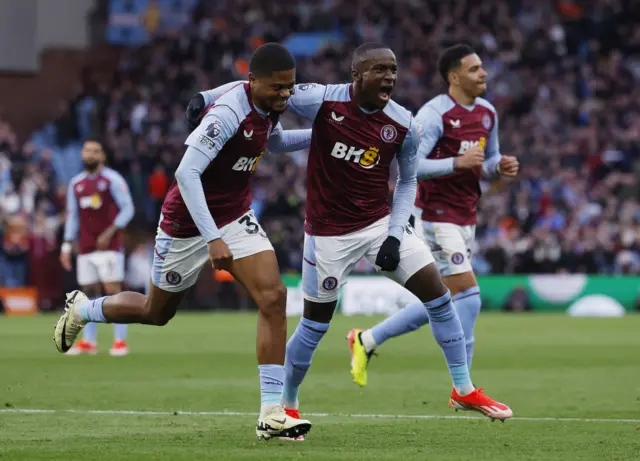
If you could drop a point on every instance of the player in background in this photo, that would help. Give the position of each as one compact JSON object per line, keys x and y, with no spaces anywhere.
{"x":357,"y":132}
{"x":206,"y":216}
{"x":99,"y":207}
{"x":458,"y":145}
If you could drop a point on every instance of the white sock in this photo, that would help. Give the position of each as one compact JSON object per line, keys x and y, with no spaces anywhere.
{"x":367,"y":340}
{"x":266,"y":409}
{"x":465,"y":389}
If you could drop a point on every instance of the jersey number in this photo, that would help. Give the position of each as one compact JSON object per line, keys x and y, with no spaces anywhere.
{"x":252,"y":228}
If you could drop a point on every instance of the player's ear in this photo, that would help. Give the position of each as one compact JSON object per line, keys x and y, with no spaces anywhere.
{"x":252,"y":78}
{"x":453,"y":78}
{"x":355,"y":75}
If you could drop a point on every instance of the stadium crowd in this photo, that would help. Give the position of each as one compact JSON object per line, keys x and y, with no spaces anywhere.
{"x":563,"y":77}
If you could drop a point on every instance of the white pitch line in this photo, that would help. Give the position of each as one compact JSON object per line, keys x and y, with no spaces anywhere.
{"x":317,"y":415}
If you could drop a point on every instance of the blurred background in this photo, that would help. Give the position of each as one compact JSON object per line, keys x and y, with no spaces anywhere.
{"x":562,"y":74}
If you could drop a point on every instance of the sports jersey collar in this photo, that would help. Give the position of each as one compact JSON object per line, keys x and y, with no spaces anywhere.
{"x":263,"y":114}
{"x":464,"y":106}
{"x":96,"y":174}
{"x":365,"y":111}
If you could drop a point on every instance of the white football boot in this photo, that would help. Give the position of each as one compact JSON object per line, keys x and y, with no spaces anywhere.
{"x":276,"y":423}
{"x":70,"y":323}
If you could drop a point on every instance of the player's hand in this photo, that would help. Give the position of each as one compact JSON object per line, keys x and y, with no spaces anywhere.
{"x":104,"y":240}
{"x":508,"y":166}
{"x":219,"y":254}
{"x":194,"y":111}
{"x":472,"y":158}
{"x":389,"y":255}
{"x":65,"y":260}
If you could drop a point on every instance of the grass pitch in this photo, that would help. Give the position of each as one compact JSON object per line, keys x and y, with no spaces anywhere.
{"x":190,"y":391}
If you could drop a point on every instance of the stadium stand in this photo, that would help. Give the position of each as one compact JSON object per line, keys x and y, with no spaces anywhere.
{"x":563,"y":78}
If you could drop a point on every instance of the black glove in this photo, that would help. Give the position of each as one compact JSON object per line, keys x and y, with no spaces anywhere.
{"x":195,"y":111}
{"x":389,"y":255}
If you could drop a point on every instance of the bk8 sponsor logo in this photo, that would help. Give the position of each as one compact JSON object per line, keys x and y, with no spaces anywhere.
{"x":366,"y":158}
{"x":247,"y":163}
{"x":466,"y":145}
{"x":93,"y":201}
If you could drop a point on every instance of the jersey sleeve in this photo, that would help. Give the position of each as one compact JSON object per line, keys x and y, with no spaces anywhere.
{"x":218,"y":126}
{"x":211,"y":95}
{"x":120,"y":193}
{"x":189,"y":180}
{"x":288,"y":140}
{"x":307,"y":100}
{"x":492,"y":154}
{"x":430,"y":131}
{"x":407,"y":185}
{"x":72,"y":223}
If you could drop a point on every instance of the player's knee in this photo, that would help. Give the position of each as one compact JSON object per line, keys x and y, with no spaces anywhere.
{"x":160,"y":318}
{"x":157,"y":315}
{"x":273,"y":300}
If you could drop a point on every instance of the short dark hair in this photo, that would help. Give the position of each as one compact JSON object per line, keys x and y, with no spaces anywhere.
{"x":95,"y":139}
{"x":358,"y":53}
{"x":269,"y":58}
{"x":451,"y":57}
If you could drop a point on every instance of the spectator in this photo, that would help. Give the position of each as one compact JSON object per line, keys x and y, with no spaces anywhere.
{"x":158,"y":187}
{"x":562,"y":75}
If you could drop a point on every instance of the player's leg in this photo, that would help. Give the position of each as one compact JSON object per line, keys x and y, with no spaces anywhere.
{"x":255,"y":267}
{"x":417,"y":271}
{"x":112,"y":276}
{"x":451,"y":248}
{"x":88,"y":279}
{"x":89,"y":342}
{"x":465,"y":293}
{"x":457,"y":275}
{"x":120,"y":347}
{"x":327,"y":261}
{"x":176,"y":265}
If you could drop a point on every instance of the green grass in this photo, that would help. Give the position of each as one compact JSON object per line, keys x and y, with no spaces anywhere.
{"x":544,"y":366}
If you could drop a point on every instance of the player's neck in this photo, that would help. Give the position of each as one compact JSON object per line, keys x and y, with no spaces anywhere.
{"x":261,"y":110}
{"x":365,"y":106}
{"x":95,"y":172}
{"x":460,"y":97}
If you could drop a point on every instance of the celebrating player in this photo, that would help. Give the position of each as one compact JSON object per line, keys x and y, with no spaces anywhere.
{"x":206,"y":216}
{"x":458,"y":144}
{"x":357,"y":132}
{"x":99,"y":206}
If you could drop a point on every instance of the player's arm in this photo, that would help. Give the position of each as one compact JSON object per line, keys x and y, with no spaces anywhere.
{"x":71,"y":226}
{"x":492,"y":156}
{"x":429,"y":133}
{"x":306,"y":100}
{"x":200,"y":101}
{"x":204,"y":144}
{"x":496,"y":164}
{"x":209,"y":96}
{"x":288,"y":140}
{"x":120,"y":193}
{"x":388,"y":256}
{"x":406,"y":185}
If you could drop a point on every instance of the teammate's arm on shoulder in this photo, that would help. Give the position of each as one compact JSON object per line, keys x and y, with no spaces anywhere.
{"x":210,"y":96}
{"x":307,"y":99}
{"x":216,"y":128}
{"x":288,"y":140}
